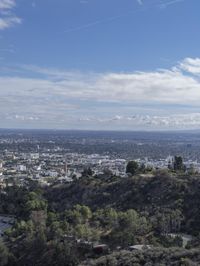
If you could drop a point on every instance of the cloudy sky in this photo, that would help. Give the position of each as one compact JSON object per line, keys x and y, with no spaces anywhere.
{"x":100,"y":64}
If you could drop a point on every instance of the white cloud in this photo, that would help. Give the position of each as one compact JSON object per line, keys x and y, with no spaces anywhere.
{"x":167,"y":86}
{"x":57,"y":95}
{"x":173,"y":121}
{"x":191,"y":65}
{"x":7,"y":4}
{"x":8,"y":22}
{"x":176,"y":121}
{"x":7,"y":18}
{"x":22,"y":117}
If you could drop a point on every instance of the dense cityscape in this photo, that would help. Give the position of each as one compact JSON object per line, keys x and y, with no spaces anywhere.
{"x":64,"y":156}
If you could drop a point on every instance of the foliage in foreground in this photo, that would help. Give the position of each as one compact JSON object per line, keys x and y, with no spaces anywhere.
{"x":60,"y":225}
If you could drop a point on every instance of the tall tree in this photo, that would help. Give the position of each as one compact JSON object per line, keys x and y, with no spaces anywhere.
{"x":132,"y":167}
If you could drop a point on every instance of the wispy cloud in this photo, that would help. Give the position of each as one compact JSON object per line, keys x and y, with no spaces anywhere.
{"x":55,"y":96}
{"x":8,"y":22}
{"x":8,"y":50}
{"x":7,"y":18}
{"x":178,"y":85}
{"x":166,"y":3}
{"x":84,"y":2}
{"x":94,"y":23}
{"x":140,"y":2}
{"x":176,"y":121}
{"x":33,"y":4}
{"x":102,"y":21}
{"x":161,"y":4}
{"x":7,"y":4}
{"x":191,"y":65}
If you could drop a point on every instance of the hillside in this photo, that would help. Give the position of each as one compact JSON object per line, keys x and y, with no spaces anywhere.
{"x":104,"y":220}
{"x":160,"y":193}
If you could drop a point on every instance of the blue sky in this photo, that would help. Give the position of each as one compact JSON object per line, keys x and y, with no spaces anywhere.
{"x":100,"y":64}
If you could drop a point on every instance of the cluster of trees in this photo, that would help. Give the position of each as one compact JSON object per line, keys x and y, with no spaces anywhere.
{"x":52,"y":239}
{"x":134,"y":168}
{"x":59,"y":225}
{"x":156,"y":257}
